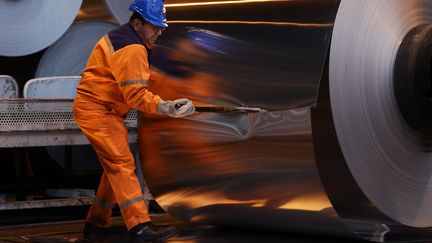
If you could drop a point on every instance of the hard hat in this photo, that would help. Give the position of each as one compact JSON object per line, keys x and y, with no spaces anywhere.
{"x":153,"y":11}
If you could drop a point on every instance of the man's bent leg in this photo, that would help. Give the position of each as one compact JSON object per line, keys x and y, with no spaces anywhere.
{"x":109,"y":137}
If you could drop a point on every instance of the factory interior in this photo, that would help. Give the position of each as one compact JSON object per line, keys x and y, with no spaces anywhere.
{"x":231,"y":121}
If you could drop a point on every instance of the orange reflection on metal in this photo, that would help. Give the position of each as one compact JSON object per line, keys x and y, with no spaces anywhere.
{"x":200,"y":197}
{"x":81,"y":14}
{"x":251,"y":23}
{"x":308,"y":203}
{"x":175,"y":5}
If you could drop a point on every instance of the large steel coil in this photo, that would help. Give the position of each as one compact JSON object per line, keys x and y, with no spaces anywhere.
{"x":21,"y":22}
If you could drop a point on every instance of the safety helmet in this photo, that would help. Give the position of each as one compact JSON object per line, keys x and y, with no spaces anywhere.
{"x":153,"y":11}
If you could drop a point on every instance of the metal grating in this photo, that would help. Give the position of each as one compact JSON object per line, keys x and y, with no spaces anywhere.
{"x":42,"y":114}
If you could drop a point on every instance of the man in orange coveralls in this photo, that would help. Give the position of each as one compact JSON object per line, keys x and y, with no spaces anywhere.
{"x":114,"y":81}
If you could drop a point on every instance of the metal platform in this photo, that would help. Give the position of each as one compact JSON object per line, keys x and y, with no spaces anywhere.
{"x":45,"y":122}
{"x":38,"y":122}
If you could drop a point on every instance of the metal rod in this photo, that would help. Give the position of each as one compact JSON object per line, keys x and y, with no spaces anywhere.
{"x":221,"y":109}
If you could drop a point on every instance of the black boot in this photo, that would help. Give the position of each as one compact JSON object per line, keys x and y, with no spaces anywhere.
{"x":92,"y":231}
{"x":150,"y":232}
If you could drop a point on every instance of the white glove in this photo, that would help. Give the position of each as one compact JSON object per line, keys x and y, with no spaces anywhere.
{"x":176,"y":108}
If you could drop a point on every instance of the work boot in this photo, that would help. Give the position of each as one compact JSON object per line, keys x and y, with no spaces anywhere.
{"x":150,"y":232}
{"x":93,"y":231}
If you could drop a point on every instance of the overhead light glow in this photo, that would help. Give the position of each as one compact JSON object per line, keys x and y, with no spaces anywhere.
{"x":174,"y":5}
{"x":325,"y":25}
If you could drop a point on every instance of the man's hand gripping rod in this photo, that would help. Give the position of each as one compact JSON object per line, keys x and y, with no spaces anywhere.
{"x":220,"y":109}
{"x":224,"y":109}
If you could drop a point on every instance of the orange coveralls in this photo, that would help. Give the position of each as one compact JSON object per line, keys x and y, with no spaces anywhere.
{"x":113,"y":82}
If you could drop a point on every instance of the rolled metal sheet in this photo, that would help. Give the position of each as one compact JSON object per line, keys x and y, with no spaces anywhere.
{"x":119,"y":10}
{"x":340,"y":161}
{"x":68,"y":56}
{"x":280,"y":42}
{"x":383,"y":153}
{"x":251,"y":169}
{"x":30,"y":26}
{"x":289,"y":37}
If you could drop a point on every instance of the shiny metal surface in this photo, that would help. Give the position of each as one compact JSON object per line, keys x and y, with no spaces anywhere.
{"x":119,"y":10}
{"x":255,"y":169}
{"x":94,"y":10}
{"x":222,"y":169}
{"x":278,"y":47}
{"x":269,"y":170}
{"x":29,"y":27}
{"x":68,"y":56}
{"x":388,"y":163}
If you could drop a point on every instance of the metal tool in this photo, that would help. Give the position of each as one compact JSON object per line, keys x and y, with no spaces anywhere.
{"x":224,"y":109}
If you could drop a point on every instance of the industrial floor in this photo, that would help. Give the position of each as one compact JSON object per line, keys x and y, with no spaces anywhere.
{"x":71,"y":231}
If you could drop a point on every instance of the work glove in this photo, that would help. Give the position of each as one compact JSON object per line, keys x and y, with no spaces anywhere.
{"x":176,"y":108}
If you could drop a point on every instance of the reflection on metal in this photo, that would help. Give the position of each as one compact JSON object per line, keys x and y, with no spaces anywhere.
{"x":174,"y":5}
{"x":249,"y":22}
{"x":290,"y":168}
{"x":219,"y":168}
{"x":94,"y":10}
{"x":266,"y":43}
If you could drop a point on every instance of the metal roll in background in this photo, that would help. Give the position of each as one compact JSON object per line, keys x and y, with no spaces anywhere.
{"x":68,"y":56}
{"x":23,"y":68}
{"x":20,"y":23}
{"x":119,"y":10}
{"x":338,"y":153}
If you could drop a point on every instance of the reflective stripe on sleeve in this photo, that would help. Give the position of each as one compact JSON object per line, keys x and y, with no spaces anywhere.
{"x":132,"y":82}
{"x":108,"y":42}
{"x":103,"y":203}
{"x":132,"y":201}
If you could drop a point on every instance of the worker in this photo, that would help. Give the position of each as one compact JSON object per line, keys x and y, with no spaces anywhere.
{"x":113,"y":82}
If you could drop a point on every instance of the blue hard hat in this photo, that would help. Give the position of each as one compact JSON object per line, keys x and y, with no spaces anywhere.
{"x":153,"y":11}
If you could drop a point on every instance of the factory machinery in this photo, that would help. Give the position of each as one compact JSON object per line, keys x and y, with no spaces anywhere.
{"x":341,"y":147}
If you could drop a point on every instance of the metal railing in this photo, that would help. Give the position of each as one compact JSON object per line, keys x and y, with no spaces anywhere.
{"x":44,"y":122}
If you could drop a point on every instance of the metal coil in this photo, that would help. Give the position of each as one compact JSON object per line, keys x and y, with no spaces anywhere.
{"x":20,"y":23}
{"x":68,"y":56}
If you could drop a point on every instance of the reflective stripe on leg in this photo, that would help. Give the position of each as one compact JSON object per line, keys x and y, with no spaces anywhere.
{"x":103,"y":203}
{"x":133,"y":200}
